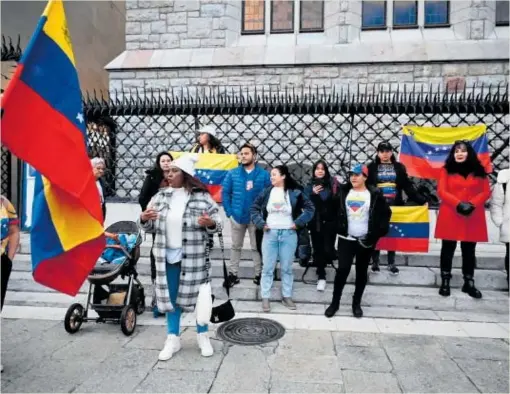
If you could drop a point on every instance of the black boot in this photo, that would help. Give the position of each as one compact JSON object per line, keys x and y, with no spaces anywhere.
{"x":444,"y":290}
{"x":469,"y":287}
{"x":332,"y":309}
{"x":356,"y":309}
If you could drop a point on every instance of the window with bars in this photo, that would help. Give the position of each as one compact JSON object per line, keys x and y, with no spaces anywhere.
{"x":405,"y":14}
{"x":437,"y":13}
{"x":502,"y":11}
{"x":282,"y":15}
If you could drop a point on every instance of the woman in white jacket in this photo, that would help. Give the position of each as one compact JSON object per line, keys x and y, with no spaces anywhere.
{"x":500,"y":210}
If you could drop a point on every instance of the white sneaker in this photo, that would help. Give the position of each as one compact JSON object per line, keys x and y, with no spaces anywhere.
{"x":321,"y":285}
{"x":205,"y":344}
{"x":172,"y":346}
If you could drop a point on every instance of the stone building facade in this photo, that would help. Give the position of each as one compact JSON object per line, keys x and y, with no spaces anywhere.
{"x":195,"y":46}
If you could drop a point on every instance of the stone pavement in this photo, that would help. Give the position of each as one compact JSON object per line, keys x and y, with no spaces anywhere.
{"x":39,"y":356}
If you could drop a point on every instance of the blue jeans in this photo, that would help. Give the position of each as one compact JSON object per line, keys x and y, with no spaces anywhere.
{"x":278,"y":244}
{"x":173,"y":319}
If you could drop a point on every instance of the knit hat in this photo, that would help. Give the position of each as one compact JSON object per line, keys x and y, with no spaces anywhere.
{"x":208,"y":129}
{"x":384,"y":146}
{"x":186,"y":163}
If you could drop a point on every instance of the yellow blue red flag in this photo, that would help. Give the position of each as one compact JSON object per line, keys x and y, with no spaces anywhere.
{"x":423,"y":150}
{"x":211,"y":169}
{"x":409,"y":230}
{"x":43,"y":124}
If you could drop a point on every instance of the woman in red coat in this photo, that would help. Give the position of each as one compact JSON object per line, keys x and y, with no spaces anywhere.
{"x":463,"y":189}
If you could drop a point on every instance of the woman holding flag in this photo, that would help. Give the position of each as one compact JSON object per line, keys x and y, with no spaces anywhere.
{"x":463,"y":188}
{"x":181,"y":216}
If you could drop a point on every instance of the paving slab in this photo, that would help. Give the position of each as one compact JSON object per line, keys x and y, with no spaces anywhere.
{"x":489,"y":376}
{"x":243,"y":370}
{"x":358,"y":339}
{"x":372,"y":359}
{"x":304,"y":343}
{"x":282,"y":386}
{"x":111,"y":376}
{"x":167,"y":381}
{"x":475,"y":348}
{"x":370,"y":382}
{"x":310,"y":369}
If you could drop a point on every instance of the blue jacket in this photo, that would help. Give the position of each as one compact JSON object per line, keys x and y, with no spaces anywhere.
{"x":236,"y":199}
{"x":302,"y":208}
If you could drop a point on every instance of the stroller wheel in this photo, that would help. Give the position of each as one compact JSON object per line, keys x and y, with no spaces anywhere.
{"x":74,"y":318}
{"x":128,"y":320}
{"x":140,"y":304}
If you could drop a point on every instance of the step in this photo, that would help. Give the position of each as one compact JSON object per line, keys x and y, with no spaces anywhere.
{"x":489,"y":256}
{"x":408,"y":276}
{"x":58,"y":300}
{"x":407,"y":297}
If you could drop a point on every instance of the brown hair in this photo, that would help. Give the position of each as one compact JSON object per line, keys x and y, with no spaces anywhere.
{"x":192,"y":184}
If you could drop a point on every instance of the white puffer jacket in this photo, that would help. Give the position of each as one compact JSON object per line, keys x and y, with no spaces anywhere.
{"x":500,"y":205}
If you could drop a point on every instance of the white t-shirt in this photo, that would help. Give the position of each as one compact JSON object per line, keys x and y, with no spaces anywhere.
{"x":357,"y":205}
{"x":279,"y":210}
{"x":174,"y":216}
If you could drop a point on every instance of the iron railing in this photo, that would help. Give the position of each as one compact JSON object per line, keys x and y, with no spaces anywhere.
{"x":9,"y":52}
{"x":297,"y":127}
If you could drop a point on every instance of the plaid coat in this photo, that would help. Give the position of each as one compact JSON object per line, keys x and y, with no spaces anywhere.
{"x":194,"y":265}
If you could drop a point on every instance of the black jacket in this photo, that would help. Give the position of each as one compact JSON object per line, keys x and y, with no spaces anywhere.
{"x":379,"y":215}
{"x":403,"y":183}
{"x":150,"y":187}
{"x":325,"y":210}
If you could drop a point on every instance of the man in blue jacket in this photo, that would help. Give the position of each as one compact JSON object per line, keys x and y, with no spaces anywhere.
{"x":241,"y":187}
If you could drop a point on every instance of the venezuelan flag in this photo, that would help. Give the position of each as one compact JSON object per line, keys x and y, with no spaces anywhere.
{"x":424,"y":150}
{"x":211,"y":169}
{"x":409,"y":230}
{"x":43,"y":124}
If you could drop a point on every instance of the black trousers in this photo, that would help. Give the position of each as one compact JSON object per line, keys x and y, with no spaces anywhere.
{"x":323,"y":244}
{"x":347,"y":252}
{"x":6,"y":273}
{"x":376,"y":257}
{"x":468,"y":257}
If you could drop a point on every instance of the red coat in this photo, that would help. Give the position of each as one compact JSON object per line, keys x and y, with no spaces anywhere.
{"x":453,"y":189}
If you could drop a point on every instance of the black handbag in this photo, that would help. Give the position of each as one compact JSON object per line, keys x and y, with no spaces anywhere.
{"x":225,"y":311}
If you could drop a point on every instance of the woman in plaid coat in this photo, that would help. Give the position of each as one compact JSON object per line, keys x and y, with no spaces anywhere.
{"x":182,"y":216}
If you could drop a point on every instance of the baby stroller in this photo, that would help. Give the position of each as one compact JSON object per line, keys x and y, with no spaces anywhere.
{"x":118,"y":303}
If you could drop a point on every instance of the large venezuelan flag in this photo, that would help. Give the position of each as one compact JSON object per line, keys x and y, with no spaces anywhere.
{"x":409,"y":230}
{"x":424,"y":149}
{"x":43,"y":124}
{"x":211,"y":169}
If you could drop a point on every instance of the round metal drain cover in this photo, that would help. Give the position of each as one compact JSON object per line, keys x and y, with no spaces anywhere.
{"x":250,"y":331}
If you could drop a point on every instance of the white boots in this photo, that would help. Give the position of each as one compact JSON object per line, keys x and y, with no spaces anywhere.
{"x":173,"y":345}
{"x":205,"y":344}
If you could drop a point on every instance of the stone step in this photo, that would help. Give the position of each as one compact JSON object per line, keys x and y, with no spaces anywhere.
{"x":58,"y":300}
{"x":489,"y":256}
{"x":406,"y":297}
{"x":408,"y":276}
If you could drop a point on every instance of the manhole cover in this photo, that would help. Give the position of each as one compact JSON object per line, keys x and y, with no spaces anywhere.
{"x":250,"y":331}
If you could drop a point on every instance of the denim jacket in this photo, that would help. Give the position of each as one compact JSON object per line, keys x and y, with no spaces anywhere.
{"x":302,"y":208}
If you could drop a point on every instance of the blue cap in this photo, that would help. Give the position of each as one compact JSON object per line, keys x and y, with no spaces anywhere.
{"x":358,"y":169}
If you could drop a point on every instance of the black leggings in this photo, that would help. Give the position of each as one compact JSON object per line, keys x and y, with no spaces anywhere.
{"x":6,"y":273}
{"x":153,"y":260}
{"x":347,"y":251}
{"x":468,"y":257}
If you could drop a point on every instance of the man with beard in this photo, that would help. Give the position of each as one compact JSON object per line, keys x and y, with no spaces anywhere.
{"x":240,"y":188}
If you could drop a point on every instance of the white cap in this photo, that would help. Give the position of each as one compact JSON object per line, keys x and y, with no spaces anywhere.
{"x":186,"y":163}
{"x":208,"y":129}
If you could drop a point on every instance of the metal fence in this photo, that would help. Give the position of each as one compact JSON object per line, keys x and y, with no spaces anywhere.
{"x":287,"y":125}
{"x":10,"y":52}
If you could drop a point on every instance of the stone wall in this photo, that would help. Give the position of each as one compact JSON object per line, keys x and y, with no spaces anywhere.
{"x":182,"y":23}
{"x":381,"y":75}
